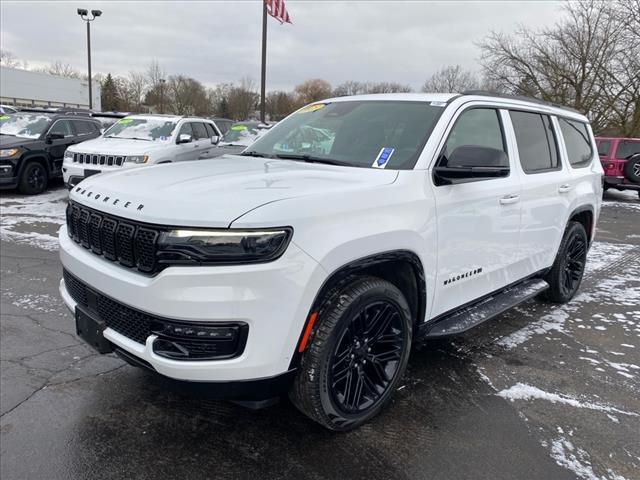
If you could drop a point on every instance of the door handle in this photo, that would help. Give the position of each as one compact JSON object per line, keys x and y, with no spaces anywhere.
{"x":564,"y":188}
{"x":509,"y":199}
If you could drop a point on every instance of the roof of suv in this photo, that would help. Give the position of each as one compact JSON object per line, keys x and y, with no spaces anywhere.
{"x":516,"y":100}
{"x":174,"y":118}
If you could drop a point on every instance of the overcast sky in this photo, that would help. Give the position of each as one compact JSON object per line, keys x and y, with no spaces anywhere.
{"x":216,"y":41}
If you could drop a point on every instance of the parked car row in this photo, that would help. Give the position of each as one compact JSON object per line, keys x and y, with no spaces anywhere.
{"x":37,"y":145}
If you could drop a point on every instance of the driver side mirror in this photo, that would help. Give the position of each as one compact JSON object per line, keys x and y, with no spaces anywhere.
{"x":470,"y":163}
{"x":184,"y":138}
{"x":53,"y":136}
{"x":215,"y":139}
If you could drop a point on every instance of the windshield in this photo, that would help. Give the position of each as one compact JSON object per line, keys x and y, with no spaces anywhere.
{"x":151,"y":129}
{"x":241,"y":134}
{"x":382,"y":134}
{"x":24,"y":125}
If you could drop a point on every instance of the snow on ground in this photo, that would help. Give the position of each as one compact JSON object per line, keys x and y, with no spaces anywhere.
{"x":522,"y":391}
{"x":33,"y":220}
{"x":577,"y":460}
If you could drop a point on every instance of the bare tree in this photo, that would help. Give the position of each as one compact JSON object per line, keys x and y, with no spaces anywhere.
{"x":589,"y":60}
{"x":242,"y":99}
{"x":386,"y":87}
{"x":280,"y":104}
{"x":61,"y":69}
{"x":451,"y":79}
{"x":137,"y":86}
{"x":187,"y":96}
{"x":350,"y":87}
{"x":8,"y":59}
{"x":313,"y":90}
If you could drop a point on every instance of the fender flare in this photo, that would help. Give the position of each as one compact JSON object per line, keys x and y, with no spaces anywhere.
{"x":346,"y":270}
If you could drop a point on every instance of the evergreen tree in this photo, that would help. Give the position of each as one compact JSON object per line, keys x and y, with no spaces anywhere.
{"x":109,"y":94}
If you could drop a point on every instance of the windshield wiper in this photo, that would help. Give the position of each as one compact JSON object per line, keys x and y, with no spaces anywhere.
{"x":8,"y":134}
{"x":128,"y":138}
{"x":311,"y":159}
{"x":253,"y":153}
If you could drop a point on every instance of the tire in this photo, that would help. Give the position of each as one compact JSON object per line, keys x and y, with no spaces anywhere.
{"x":34,"y":178}
{"x":342,"y":383}
{"x":632,"y":169}
{"x":565,"y":275}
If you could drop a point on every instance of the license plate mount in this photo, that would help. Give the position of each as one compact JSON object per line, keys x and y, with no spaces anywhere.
{"x":90,"y":330}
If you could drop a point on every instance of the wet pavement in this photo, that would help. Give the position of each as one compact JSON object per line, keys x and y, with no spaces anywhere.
{"x":542,"y":392}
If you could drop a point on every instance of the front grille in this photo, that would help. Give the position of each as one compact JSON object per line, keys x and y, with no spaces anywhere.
{"x":98,"y":159}
{"x":137,"y":325}
{"x":131,"y":244}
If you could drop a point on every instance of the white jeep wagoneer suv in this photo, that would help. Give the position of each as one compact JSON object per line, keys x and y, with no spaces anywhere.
{"x":309,"y":263}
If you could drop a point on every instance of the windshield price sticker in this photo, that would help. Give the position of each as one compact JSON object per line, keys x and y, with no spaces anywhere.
{"x":125,"y":121}
{"x":5,"y":117}
{"x":312,"y":108}
{"x":383,"y":158}
{"x":238,"y":128}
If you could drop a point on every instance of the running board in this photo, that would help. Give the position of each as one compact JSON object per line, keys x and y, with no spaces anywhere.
{"x":465,"y":319}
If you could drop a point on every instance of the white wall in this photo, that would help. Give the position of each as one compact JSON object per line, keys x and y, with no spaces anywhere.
{"x":43,"y":88}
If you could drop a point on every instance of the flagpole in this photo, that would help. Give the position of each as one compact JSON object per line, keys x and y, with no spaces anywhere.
{"x":264,"y":61}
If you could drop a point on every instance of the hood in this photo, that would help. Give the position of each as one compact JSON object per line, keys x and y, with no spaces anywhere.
{"x":220,"y":150}
{"x":215,"y":192}
{"x":118,"y":146}
{"x":7,"y":141}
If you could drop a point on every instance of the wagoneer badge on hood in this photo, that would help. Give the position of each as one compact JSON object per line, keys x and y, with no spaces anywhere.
{"x":98,"y":196}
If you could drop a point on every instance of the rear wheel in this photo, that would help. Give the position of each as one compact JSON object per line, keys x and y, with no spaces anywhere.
{"x":632,"y":169}
{"x":565,"y":275}
{"x":359,"y":352}
{"x":34,"y":178}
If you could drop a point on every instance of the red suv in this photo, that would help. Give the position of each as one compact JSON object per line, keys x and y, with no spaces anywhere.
{"x":620,"y":159}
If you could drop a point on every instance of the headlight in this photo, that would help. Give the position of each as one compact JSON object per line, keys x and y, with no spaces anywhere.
{"x":8,"y":152}
{"x":222,"y":246}
{"x":68,"y":155}
{"x":137,"y":158}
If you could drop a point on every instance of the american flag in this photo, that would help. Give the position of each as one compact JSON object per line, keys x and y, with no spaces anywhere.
{"x":277,"y":10}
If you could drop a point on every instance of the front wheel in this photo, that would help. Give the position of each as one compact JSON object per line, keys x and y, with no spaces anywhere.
{"x":565,"y":275}
{"x":358,"y":354}
{"x":34,"y":179}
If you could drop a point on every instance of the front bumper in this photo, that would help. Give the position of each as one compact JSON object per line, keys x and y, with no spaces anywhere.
{"x":273,"y":299}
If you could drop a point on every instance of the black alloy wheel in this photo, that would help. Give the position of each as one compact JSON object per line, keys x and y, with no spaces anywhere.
{"x":575,"y":261}
{"x":367,"y":356}
{"x":357,"y":353}
{"x":565,"y":275}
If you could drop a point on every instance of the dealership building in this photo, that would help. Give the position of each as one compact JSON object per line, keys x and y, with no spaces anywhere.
{"x":23,"y":88}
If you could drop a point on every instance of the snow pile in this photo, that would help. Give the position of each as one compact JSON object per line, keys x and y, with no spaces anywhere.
{"x":577,"y":460}
{"x":39,"y":212}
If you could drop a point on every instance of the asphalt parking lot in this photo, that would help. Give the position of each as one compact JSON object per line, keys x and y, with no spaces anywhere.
{"x":543,"y":392}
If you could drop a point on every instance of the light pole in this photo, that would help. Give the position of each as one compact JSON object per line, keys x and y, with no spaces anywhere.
{"x":84,"y":14}
{"x":162,"y":81}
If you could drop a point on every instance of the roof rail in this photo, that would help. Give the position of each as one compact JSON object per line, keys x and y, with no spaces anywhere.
{"x":57,"y":110}
{"x":523,"y":98}
{"x":110,"y":114}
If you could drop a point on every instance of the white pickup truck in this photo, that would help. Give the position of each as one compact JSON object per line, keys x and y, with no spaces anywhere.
{"x":309,"y":267}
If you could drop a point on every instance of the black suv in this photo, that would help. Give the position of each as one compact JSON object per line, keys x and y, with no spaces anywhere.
{"x":32,"y":145}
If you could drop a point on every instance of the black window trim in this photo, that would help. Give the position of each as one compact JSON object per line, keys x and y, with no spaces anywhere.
{"x":505,"y":144}
{"x":555,"y":137}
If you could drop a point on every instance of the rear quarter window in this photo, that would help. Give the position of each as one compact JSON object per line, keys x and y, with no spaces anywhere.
{"x":536,"y":141}
{"x":577,"y":141}
{"x":603,"y":147}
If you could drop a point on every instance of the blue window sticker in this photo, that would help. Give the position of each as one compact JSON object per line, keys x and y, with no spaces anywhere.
{"x":383,"y":158}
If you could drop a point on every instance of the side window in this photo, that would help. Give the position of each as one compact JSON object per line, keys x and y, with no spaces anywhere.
{"x":626,"y":148}
{"x":210,"y":131}
{"x":536,"y":141}
{"x":479,"y":127}
{"x":84,"y":128}
{"x":62,"y":126}
{"x":577,"y":141}
{"x":200,"y":131}
{"x":186,"y":129}
{"x":603,"y":147}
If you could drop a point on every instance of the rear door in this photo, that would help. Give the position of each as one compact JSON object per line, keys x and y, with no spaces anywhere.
{"x":57,"y":147}
{"x":548,"y":189}
{"x":478,"y":223}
